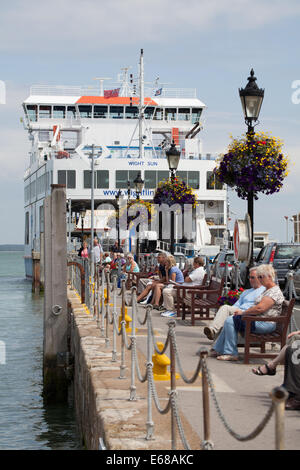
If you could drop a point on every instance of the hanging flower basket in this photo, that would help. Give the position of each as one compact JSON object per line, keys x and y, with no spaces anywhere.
{"x":174,"y":192}
{"x":113,"y":219}
{"x":253,"y":163}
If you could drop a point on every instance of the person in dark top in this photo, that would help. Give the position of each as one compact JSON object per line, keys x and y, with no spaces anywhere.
{"x":153,"y":280}
{"x":116,"y":248}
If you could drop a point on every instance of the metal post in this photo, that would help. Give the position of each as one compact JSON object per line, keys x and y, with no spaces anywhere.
{"x":205,"y":399}
{"x":133,"y":344}
{"x":122,"y":365}
{"x":114,"y":350}
{"x":107,"y":311}
{"x":150,"y":423}
{"x":171,"y":325}
{"x":92,"y":228}
{"x":279,"y":396}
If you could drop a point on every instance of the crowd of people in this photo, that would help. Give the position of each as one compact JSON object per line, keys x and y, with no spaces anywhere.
{"x":263,"y":299}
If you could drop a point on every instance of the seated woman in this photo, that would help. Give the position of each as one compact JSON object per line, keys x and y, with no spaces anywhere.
{"x":131,"y":266}
{"x":269,"y":304}
{"x":173,"y":273}
{"x":289,"y":356}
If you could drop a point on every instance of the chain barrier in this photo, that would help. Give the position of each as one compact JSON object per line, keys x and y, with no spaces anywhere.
{"x":172,"y":405}
{"x":289,"y":293}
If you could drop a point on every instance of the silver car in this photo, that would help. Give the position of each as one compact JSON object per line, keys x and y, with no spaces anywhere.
{"x":217,"y":268}
{"x":295,"y":267}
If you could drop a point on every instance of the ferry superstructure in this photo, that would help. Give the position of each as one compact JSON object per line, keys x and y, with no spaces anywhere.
{"x":129,"y":134}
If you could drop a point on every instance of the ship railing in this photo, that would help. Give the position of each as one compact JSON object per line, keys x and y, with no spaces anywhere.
{"x":214,"y":218}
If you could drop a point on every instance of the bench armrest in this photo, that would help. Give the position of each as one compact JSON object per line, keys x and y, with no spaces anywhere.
{"x":278,"y":319}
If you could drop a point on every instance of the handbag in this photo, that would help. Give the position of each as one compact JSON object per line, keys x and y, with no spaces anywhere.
{"x":240,"y":325}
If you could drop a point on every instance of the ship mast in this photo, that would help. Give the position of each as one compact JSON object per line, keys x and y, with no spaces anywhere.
{"x":141,"y":105}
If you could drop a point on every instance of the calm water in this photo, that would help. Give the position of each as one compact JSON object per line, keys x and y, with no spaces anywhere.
{"x":25,"y":423}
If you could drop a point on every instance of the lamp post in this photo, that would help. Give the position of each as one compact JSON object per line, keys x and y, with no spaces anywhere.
{"x":118,"y":197}
{"x":251,"y":98}
{"x":138,"y":185}
{"x":173,"y":157}
{"x":82,"y":216}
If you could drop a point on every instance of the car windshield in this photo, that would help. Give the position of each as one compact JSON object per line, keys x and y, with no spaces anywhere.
{"x":287,"y":252}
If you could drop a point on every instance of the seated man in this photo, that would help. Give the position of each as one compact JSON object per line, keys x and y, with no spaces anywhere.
{"x":245,"y":301}
{"x":194,"y":278}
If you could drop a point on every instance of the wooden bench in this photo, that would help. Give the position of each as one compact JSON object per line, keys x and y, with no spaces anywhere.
{"x":278,"y":336}
{"x":200,"y":300}
{"x":182,"y":291}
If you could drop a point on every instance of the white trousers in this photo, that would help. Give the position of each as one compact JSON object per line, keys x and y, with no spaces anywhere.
{"x":222,"y":314}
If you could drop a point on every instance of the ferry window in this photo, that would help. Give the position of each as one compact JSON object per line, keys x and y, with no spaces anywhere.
{"x":101,"y":112}
{"x":71,"y":112}
{"x":131,"y":112}
{"x":27,"y":228}
{"x":61,"y":177}
{"x":59,"y":112}
{"x":32,"y":112}
{"x":68,"y":178}
{"x":116,"y":112}
{"x":196,"y":113}
{"x":162,"y":175}
{"x":85,"y":111}
{"x":150,"y":179}
{"x":193,"y":179}
{"x":170,"y":114}
{"x":131,"y":177}
{"x":212,"y":182}
{"x":87,"y":179}
{"x":103,"y":179}
{"x":45,"y":112}
{"x":32,"y":190}
{"x":149,"y":111}
{"x":121,"y":179}
{"x":158,"y":116}
{"x":71,"y":179}
{"x":182,"y":175}
{"x":184,"y":114}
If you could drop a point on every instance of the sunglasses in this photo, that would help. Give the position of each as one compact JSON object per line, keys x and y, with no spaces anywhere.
{"x":260,"y":277}
{"x":252,"y":277}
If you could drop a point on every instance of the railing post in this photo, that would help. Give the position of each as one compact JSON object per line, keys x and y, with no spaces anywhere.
{"x":107,"y":311}
{"x":279,"y":396}
{"x":122,"y":365}
{"x":133,"y":346}
{"x":205,"y":399}
{"x":114,"y":314}
{"x":150,"y":423}
{"x":172,"y":324}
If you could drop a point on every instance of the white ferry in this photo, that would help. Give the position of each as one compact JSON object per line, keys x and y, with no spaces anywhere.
{"x":129,"y":126}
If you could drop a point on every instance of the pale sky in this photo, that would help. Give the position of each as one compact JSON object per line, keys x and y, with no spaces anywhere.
{"x":210,"y":45}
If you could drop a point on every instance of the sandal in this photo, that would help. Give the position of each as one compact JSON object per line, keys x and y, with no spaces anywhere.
{"x":227,"y":357}
{"x":258,"y":371}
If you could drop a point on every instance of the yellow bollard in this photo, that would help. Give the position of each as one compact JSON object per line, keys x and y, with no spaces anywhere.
{"x":128,"y":320}
{"x":160,"y":364}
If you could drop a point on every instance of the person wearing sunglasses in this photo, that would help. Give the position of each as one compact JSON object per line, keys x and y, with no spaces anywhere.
{"x":245,"y":301}
{"x":269,"y":304}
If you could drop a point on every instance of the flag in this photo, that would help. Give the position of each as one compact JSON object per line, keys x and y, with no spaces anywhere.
{"x":158,"y":92}
{"x":111,"y":93}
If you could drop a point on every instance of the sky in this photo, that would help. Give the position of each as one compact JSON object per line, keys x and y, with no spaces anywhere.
{"x":210,"y":45}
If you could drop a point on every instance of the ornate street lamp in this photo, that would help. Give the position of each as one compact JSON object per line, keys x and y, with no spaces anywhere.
{"x":138,"y":185}
{"x":251,"y":98}
{"x":118,"y":197}
{"x":173,"y":157}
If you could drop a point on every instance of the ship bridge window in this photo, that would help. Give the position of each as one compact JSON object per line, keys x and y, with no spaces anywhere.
{"x":193,"y":179}
{"x":116,"y":112}
{"x":71,"y":112}
{"x":101,"y":179}
{"x":212,"y":182}
{"x":182,"y":175}
{"x":85,"y":111}
{"x":45,"y":112}
{"x":149,"y":111}
{"x":67,"y":177}
{"x":184,"y":114}
{"x":131,"y":112}
{"x":32,"y":112}
{"x":121,"y":179}
{"x":101,"y":112}
{"x":196,"y":113}
{"x":158,"y":116}
{"x":170,"y":114}
{"x":59,"y":112}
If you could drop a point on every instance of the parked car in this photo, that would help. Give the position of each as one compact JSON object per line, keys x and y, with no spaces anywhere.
{"x":281,"y":256}
{"x":217,"y":268}
{"x":295,"y":267}
{"x":243,"y":271}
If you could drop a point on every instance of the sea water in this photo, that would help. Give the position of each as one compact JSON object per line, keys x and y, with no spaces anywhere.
{"x":25,"y":422}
